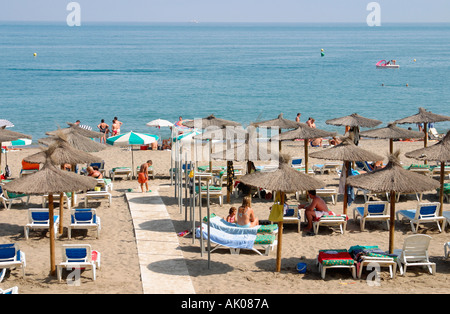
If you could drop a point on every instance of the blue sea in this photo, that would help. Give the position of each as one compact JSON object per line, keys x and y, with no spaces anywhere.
{"x":240,"y":72}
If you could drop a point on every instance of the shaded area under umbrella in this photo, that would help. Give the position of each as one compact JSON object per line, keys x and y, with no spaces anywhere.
{"x":50,"y":180}
{"x":439,"y":152}
{"x":391,"y":132}
{"x":284,"y":180}
{"x":393,"y":178}
{"x":346,"y":151}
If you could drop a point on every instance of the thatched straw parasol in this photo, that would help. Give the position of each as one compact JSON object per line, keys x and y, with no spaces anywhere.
{"x":284,"y":180}
{"x":230,"y":135}
{"x":346,"y":151}
{"x":354,"y":120}
{"x":393,"y":178}
{"x":62,"y":153}
{"x":208,"y":121}
{"x":279,"y":122}
{"x":304,"y":132}
{"x":391,"y":132}
{"x":438,"y":152}
{"x":77,"y":141}
{"x":76,"y":129}
{"x":52,"y":180}
{"x":8,"y":135}
{"x":424,"y":117}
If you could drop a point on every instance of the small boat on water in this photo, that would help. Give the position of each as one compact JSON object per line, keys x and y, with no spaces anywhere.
{"x":383,"y":64}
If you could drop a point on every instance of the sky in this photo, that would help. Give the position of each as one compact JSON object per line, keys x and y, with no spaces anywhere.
{"x":261,"y":11}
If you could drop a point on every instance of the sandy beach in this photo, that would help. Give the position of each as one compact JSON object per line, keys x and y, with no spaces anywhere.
{"x":244,"y":273}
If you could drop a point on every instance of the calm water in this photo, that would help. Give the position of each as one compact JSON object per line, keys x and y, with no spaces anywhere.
{"x":242,"y":72}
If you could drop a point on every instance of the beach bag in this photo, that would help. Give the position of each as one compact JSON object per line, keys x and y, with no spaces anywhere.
{"x":277,"y":212}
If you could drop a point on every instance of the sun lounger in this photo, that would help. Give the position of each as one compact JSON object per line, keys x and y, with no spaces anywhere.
{"x":100,"y":192}
{"x":67,"y":198}
{"x":332,"y":259}
{"x":447,"y":250}
{"x":366,"y":255}
{"x":38,"y":218}
{"x":13,"y":290}
{"x":221,"y":224}
{"x":12,"y":257}
{"x":292,"y":216}
{"x":327,"y":167}
{"x":236,"y":242}
{"x":78,"y":256}
{"x":331,"y":220}
{"x":372,"y":210}
{"x":415,"y":253}
{"x":333,"y":193}
{"x":120,"y":171}
{"x":84,"y":218}
{"x":425,"y":213}
{"x":9,"y":197}
{"x":214,"y":192}
{"x":446,"y":215}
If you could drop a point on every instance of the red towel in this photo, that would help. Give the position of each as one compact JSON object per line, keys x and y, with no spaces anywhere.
{"x":323,"y":256}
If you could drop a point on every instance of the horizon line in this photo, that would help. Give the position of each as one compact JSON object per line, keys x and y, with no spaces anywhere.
{"x":194,"y":21}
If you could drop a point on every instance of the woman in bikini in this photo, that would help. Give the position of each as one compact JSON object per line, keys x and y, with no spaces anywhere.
{"x":245,"y":216}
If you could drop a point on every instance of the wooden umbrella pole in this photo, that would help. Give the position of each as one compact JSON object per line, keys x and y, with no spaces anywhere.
{"x":425,"y":139}
{"x":52,"y":234}
{"x":280,"y":237}
{"x":61,"y":212}
{"x":305,"y":143}
{"x":392,"y":223}
{"x":391,"y":146}
{"x":441,"y":190}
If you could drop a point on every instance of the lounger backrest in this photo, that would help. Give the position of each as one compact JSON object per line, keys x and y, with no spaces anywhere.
{"x":416,"y":246}
{"x":77,"y":254}
{"x":375,"y":208}
{"x":39,"y":216}
{"x":83,"y":215}
{"x":296,"y":162}
{"x":8,"y":252}
{"x":427,"y":210}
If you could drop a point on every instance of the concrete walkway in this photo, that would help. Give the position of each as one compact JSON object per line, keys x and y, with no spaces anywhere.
{"x":163,"y":268}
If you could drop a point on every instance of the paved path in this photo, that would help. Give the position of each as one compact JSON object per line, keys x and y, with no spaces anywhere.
{"x":163,"y":268}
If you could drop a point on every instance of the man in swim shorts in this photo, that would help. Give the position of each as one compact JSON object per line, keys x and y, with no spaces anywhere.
{"x":316,"y":209}
{"x":143,"y":175}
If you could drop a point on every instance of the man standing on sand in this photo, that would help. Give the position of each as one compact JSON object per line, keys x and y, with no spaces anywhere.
{"x":316,"y":209}
{"x":143,"y":175}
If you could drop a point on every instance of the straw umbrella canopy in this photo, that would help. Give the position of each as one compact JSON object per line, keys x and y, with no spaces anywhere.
{"x":52,"y":180}
{"x":354,"y":121}
{"x":77,"y":129}
{"x":391,"y":132}
{"x":424,"y":117}
{"x":279,"y":122}
{"x":393,"y":178}
{"x":210,"y":120}
{"x":304,"y":132}
{"x":439,"y":152}
{"x":346,"y":151}
{"x":8,"y":135}
{"x":229,"y":135}
{"x":284,"y":180}
{"x":76,"y":140}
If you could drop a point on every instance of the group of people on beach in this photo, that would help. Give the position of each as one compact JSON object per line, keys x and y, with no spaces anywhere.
{"x":103,"y":127}
{"x":245,"y":217}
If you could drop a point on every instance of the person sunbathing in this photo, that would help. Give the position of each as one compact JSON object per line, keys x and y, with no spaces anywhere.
{"x":316,"y":209}
{"x":245,"y":215}
{"x":94,"y":173}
